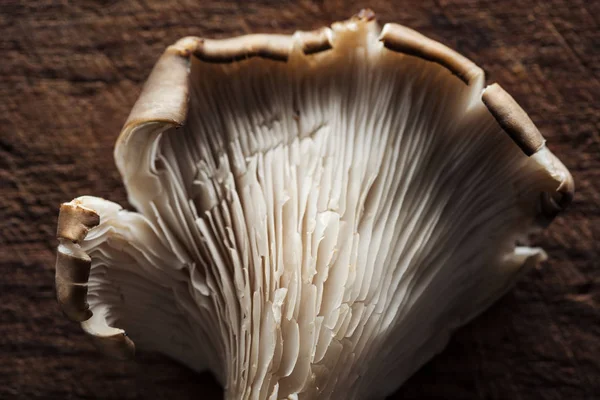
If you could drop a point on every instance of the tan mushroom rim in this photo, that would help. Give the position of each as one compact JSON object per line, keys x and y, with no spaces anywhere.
{"x":169,"y":78}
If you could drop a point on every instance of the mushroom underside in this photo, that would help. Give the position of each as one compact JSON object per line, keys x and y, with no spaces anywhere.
{"x":317,"y":227}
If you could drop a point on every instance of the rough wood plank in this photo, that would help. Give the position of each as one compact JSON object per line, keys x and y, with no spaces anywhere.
{"x":71,"y":72}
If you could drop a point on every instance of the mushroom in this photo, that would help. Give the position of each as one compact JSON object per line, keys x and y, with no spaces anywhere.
{"x":316,"y":213}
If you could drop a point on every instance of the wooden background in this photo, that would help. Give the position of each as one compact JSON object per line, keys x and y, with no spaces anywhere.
{"x":71,"y":71}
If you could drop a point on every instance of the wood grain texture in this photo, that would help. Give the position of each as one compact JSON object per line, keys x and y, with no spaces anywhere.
{"x":71,"y":72}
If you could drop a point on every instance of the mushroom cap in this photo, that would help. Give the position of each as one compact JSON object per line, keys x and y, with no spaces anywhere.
{"x":316,"y":212}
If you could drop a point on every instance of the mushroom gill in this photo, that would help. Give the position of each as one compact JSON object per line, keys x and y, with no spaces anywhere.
{"x":316,"y":213}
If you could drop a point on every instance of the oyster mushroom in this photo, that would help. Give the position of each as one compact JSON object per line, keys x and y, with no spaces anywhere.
{"x":316,"y":213}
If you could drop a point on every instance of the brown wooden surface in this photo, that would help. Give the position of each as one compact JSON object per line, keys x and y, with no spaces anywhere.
{"x":70,"y":74}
